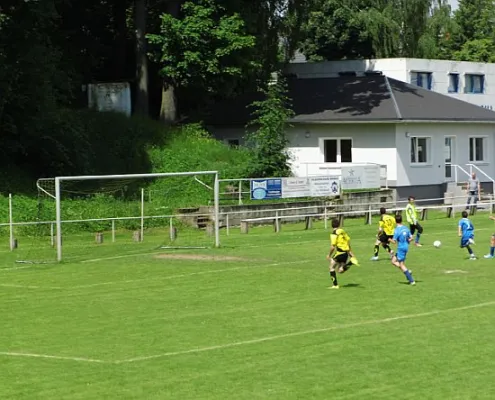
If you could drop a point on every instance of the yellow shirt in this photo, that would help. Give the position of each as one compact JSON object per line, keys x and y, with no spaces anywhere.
{"x":411,"y":214}
{"x":387,"y":224}
{"x":340,"y":240}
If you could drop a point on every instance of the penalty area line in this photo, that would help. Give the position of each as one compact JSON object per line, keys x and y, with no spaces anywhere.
{"x":301,"y":333}
{"x":52,"y":357}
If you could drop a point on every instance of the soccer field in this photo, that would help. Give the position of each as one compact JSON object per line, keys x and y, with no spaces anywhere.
{"x":252,"y":320}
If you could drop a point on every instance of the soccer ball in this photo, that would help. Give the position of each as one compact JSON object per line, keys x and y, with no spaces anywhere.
{"x":437,"y":243}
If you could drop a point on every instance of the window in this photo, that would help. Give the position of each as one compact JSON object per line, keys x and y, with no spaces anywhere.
{"x":421,"y":79}
{"x":233,"y":142}
{"x":453,"y":83}
{"x":477,"y":146}
{"x":474,"y":83}
{"x":420,"y":150}
{"x":337,"y":150}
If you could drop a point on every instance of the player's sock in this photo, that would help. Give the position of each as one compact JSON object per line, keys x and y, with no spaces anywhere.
{"x":376,"y":250}
{"x":492,"y":251}
{"x":387,"y":248}
{"x":333,"y":276}
{"x":408,"y":275}
{"x":469,"y":249}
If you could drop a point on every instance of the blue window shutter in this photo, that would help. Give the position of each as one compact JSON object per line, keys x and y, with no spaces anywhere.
{"x":429,"y":80}
{"x":419,"y":80}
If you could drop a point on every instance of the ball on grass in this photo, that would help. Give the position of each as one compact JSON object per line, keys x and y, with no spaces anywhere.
{"x":437,"y":243}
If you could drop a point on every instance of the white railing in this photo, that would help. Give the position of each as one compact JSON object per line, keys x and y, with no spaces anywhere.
{"x":226,"y":218}
{"x":457,"y":168}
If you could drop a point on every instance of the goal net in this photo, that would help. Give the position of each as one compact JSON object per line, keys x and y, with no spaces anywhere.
{"x":83,"y":217}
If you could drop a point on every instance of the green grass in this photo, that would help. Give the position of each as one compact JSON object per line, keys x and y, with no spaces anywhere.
{"x":263,"y":327}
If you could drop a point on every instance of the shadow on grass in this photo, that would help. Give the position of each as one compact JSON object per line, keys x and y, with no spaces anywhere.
{"x":353,"y":285}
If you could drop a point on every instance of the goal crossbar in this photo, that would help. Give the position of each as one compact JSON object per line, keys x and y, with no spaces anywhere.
{"x":59,"y":179}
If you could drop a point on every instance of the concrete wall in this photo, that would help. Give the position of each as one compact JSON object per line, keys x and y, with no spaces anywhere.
{"x":347,"y":202}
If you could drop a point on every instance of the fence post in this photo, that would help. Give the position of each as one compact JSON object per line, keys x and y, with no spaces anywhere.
{"x":12,"y":243}
{"x":142,"y":216}
{"x":325,"y":217}
{"x":277,"y":223}
{"x":113,"y":231}
{"x":367,"y":219}
{"x":227,"y":227}
{"x":240,"y":192}
{"x":52,"y":235}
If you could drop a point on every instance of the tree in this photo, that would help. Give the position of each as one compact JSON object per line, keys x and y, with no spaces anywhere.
{"x":352,"y":29}
{"x":475,"y":39}
{"x":269,"y":141}
{"x":437,"y":41}
{"x":203,"y":49}
{"x":142,"y":106}
{"x":477,"y":50}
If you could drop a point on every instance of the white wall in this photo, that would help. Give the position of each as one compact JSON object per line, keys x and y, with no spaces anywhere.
{"x":434,"y":172}
{"x":371,"y":143}
{"x":401,"y":68}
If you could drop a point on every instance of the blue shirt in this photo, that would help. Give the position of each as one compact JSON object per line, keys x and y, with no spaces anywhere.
{"x":402,"y":235}
{"x":467,"y":227}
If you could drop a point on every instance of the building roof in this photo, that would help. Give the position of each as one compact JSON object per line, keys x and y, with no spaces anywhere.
{"x":370,"y":98}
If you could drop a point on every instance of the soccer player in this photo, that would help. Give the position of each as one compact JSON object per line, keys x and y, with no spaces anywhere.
{"x":386,"y":228}
{"x":402,"y":236}
{"x":340,"y":255}
{"x":466,"y":233}
{"x":412,"y":219}
{"x":492,"y":243}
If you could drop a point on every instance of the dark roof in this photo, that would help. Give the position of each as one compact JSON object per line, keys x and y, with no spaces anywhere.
{"x":371,"y":98}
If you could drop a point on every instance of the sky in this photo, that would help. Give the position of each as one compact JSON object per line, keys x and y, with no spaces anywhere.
{"x":454,"y":4}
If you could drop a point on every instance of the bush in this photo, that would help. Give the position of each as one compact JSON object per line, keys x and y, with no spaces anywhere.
{"x":189,"y":148}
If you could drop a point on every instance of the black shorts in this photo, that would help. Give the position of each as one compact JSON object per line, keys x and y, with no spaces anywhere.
{"x":384,"y":238}
{"x":417,"y":226}
{"x":341,"y":258}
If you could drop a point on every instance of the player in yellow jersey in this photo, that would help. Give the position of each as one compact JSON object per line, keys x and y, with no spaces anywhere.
{"x":340,"y":255}
{"x":386,"y":227}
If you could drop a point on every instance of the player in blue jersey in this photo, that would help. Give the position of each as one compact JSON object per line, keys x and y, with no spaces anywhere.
{"x":402,"y":237}
{"x":466,"y":233}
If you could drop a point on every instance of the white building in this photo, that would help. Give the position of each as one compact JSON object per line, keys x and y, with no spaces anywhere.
{"x":423,"y":138}
{"x":468,"y":81}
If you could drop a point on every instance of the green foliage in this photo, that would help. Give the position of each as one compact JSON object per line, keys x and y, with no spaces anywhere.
{"x":190,"y":148}
{"x":477,"y":50}
{"x":203,"y":47}
{"x":269,"y":141}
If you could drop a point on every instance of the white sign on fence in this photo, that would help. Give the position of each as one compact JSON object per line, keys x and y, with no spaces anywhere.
{"x":361,"y":177}
{"x":314,"y":186}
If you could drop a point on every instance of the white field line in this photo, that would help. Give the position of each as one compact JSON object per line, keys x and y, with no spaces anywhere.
{"x":121,"y":256}
{"x":33,"y":355}
{"x":13,"y":285}
{"x":246,"y":342}
{"x":301,"y":333}
{"x":213,"y":271}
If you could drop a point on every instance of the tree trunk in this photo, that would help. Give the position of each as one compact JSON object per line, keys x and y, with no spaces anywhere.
{"x":168,"y":108}
{"x":142,"y":101}
{"x":120,"y":26}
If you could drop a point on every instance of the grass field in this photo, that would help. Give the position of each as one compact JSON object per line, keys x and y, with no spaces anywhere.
{"x":118,"y":322}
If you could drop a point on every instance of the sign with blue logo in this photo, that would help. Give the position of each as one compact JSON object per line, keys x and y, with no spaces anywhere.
{"x":266,"y":189}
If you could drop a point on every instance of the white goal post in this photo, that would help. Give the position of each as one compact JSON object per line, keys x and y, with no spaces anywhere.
{"x":60,"y":179}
